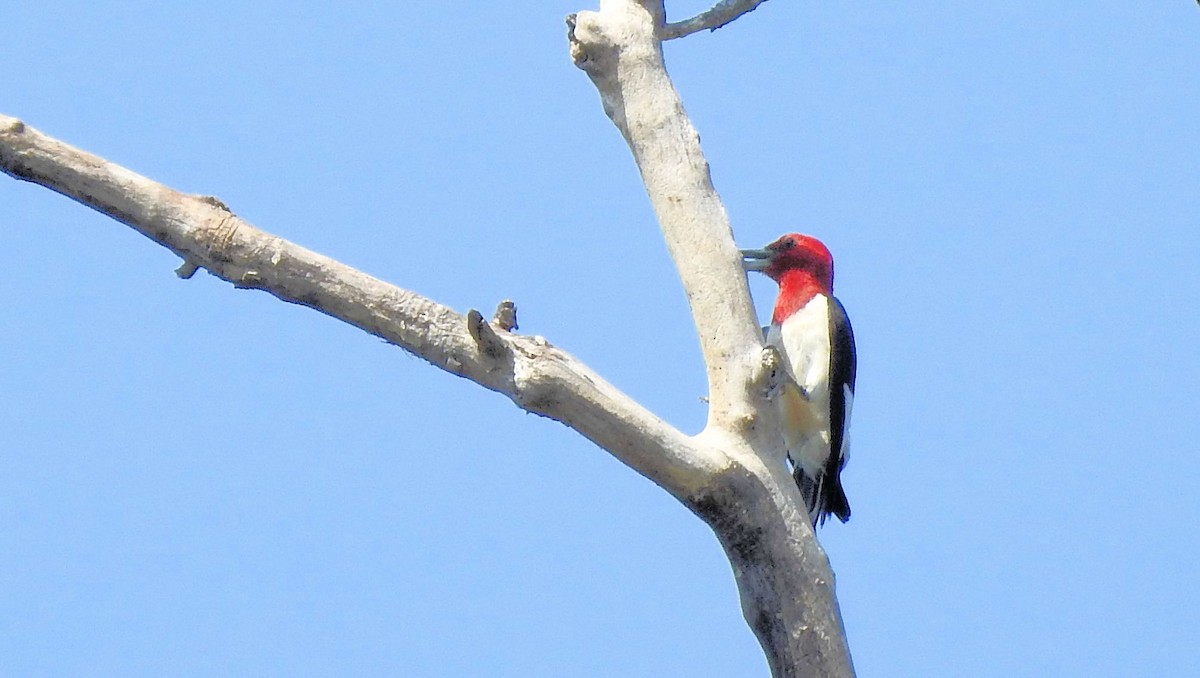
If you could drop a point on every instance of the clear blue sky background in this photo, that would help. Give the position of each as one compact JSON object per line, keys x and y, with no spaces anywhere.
{"x":196,"y":480}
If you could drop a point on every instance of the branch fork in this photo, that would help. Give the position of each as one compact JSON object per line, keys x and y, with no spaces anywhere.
{"x":728,"y":474}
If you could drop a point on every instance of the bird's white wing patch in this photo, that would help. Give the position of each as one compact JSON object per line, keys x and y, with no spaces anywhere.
{"x":849,"y":393}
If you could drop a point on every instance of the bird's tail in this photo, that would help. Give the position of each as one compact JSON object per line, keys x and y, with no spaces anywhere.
{"x":822,"y":496}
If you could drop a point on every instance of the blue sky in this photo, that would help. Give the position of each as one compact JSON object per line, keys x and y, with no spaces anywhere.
{"x":196,"y":480}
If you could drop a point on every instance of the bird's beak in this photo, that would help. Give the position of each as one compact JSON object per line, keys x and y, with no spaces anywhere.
{"x":757,"y":260}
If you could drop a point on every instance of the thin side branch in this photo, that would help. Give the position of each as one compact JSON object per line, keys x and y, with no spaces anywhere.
{"x":721,"y":14}
{"x":538,"y":377}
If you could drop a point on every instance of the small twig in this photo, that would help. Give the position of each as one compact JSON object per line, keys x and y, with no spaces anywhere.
{"x":722,"y":13}
{"x":187,"y":269}
{"x":483,"y":334}
{"x":506,"y":316}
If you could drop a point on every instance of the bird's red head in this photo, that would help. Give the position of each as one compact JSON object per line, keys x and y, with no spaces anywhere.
{"x":800,"y":264}
{"x":793,"y":252}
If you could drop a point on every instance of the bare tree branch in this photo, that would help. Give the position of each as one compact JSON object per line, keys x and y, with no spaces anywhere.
{"x":625,"y":62}
{"x":722,"y":13}
{"x":783,"y":575}
{"x":537,"y":376}
{"x":732,"y":474}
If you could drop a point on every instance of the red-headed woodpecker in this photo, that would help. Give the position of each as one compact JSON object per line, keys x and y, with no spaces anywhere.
{"x":810,"y":329}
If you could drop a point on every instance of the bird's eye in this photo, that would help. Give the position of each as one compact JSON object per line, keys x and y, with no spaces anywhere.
{"x":786,"y":244}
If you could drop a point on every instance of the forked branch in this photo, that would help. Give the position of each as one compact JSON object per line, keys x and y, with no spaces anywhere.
{"x":783,"y":576}
{"x":731,"y":475}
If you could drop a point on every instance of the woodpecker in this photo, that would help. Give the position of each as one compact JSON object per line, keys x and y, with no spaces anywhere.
{"x":811,"y":331}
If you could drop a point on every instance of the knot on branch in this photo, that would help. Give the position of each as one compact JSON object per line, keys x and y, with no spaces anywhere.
{"x":506,"y":316}
{"x":589,"y":48}
{"x":623,"y":30}
{"x":489,"y":343}
{"x":771,"y":374}
{"x":214,"y":201}
{"x":251,"y":279}
{"x":610,"y":44}
{"x":187,"y":269}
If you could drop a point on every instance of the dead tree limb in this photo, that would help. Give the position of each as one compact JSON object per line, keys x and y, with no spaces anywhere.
{"x":731,"y":475}
{"x":783,"y":574}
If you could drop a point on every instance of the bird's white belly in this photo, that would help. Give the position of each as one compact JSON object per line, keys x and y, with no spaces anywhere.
{"x":804,"y":341}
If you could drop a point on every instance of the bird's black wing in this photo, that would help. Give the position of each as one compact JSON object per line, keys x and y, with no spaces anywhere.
{"x":842,"y":369}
